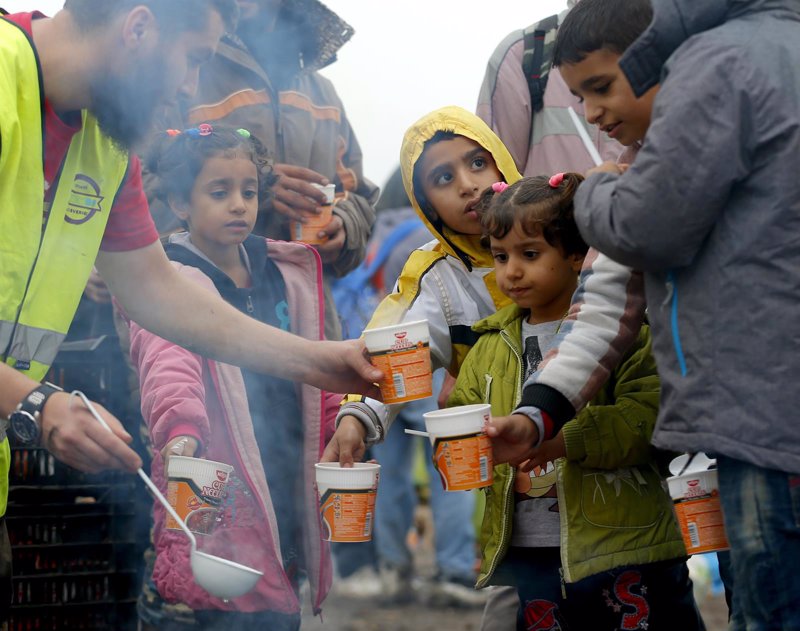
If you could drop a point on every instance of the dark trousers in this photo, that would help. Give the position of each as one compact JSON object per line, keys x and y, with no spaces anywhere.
{"x":5,"y":572}
{"x":655,"y":596}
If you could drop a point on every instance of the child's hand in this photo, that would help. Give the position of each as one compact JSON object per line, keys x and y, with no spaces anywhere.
{"x":347,"y":444}
{"x":548,"y":451}
{"x":293,"y":193}
{"x":179,"y":446}
{"x":513,"y":438}
{"x":608,"y":167}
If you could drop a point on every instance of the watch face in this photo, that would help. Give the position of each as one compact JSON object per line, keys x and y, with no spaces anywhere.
{"x":24,"y":427}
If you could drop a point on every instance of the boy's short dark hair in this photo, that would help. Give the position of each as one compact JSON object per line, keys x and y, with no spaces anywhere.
{"x":177,"y":15}
{"x":600,"y":24}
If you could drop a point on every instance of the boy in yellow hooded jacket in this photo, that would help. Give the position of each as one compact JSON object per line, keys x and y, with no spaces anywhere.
{"x":448,"y":158}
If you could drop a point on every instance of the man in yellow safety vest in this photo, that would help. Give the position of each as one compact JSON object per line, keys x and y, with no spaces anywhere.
{"x":76,"y":91}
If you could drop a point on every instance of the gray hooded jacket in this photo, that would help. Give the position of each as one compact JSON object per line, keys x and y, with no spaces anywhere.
{"x":710,"y":211}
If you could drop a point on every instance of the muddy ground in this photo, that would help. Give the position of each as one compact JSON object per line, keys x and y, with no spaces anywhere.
{"x":342,"y":614}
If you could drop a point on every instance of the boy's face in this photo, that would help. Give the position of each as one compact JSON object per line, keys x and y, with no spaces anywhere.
{"x":607,"y":96}
{"x":453,"y":174}
{"x":535,"y":274}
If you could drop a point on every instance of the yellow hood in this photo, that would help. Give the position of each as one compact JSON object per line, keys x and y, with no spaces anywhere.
{"x":458,"y":121}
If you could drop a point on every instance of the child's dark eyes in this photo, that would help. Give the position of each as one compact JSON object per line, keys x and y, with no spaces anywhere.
{"x":218,"y":194}
{"x":444,"y":178}
{"x":479,"y":163}
{"x":500,"y":257}
{"x":250,"y":194}
{"x":530,"y":254}
{"x":602,"y":89}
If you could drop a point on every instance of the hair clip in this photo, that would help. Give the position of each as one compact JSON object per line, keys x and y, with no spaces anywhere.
{"x":173,"y":132}
{"x":555,"y":180}
{"x":205,"y":129}
{"x":499,"y":187}
{"x":243,"y":133}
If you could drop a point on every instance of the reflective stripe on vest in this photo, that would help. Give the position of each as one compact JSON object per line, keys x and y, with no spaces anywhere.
{"x":44,"y":272}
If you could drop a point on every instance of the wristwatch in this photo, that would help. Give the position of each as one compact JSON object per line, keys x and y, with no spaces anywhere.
{"x":23,"y":423}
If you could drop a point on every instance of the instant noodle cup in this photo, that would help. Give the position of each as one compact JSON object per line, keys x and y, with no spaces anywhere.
{"x":402,"y":352}
{"x":347,"y":500}
{"x":462,"y":452}
{"x":196,"y":490}
{"x":307,"y":232}
{"x":695,"y":492}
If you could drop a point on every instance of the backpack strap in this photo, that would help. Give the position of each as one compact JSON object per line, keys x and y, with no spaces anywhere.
{"x":538,"y":57}
{"x":364,"y":272}
{"x":391,"y":241}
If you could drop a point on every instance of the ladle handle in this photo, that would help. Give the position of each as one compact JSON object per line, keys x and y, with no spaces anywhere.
{"x":415,"y":432}
{"x":150,"y":484}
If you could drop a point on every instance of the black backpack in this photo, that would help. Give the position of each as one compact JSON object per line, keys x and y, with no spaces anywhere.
{"x":537,"y":59}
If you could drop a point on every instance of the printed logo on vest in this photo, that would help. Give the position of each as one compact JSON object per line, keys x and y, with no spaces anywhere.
{"x":84,"y":200}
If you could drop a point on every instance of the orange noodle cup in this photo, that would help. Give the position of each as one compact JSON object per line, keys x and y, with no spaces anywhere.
{"x":347,"y":500}
{"x":307,"y":232}
{"x":462,"y":452}
{"x":196,"y":490}
{"x":402,"y":351}
{"x":694,"y":489}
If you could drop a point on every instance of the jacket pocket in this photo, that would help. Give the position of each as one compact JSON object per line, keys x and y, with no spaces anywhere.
{"x":622,"y":498}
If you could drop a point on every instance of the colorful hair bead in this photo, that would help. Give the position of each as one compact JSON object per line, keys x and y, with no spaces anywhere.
{"x":499,"y":187}
{"x":555,"y":180}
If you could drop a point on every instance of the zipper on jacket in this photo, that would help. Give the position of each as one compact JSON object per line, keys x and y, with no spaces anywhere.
{"x":250,"y":308}
{"x":508,"y":492}
{"x":563,"y":584}
{"x":672,"y":296}
{"x":505,"y":539}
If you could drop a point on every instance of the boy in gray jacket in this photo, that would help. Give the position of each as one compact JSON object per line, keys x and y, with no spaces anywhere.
{"x":708,"y":210}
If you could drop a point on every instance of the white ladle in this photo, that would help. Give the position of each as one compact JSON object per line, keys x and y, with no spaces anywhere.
{"x":219,"y":577}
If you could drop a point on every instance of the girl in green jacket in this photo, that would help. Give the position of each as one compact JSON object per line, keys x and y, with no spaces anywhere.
{"x":585,"y":529}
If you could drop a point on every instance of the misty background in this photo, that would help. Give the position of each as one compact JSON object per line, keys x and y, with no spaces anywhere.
{"x":405,"y":59}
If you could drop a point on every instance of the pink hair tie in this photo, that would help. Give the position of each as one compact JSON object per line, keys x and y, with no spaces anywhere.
{"x":555,"y":180}
{"x":205,"y":129}
{"x":499,"y":187}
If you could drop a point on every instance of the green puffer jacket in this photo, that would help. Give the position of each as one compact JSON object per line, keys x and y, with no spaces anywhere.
{"x":613,"y":507}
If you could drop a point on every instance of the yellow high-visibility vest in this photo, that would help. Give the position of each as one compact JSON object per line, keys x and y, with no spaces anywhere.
{"x":46,"y":255}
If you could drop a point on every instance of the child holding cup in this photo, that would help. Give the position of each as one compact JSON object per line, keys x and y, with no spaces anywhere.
{"x":269,"y":430}
{"x":584,"y":530}
{"x":447,"y":159}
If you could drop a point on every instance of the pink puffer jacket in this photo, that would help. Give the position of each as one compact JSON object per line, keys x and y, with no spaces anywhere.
{"x":185,"y":394}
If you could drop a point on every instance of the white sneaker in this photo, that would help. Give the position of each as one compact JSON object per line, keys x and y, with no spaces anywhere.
{"x":361,"y":584}
{"x":396,"y":585}
{"x":449,"y":592}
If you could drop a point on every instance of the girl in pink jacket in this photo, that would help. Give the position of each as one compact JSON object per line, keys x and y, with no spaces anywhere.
{"x":270,"y":430}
